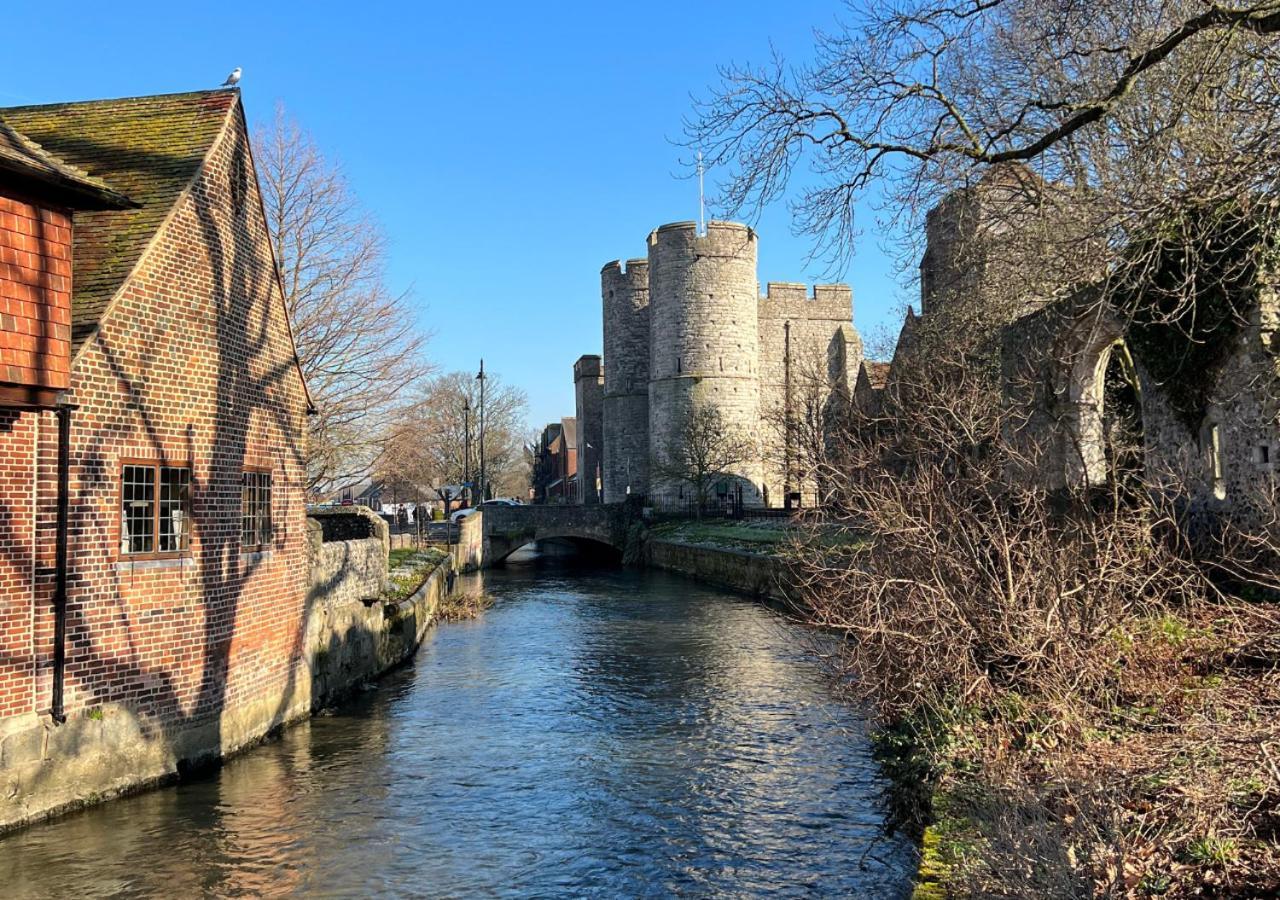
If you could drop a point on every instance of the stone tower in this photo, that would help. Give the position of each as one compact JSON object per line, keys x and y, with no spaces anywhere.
{"x":625,"y":295}
{"x":703,"y":338}
{"x":588,"y":389}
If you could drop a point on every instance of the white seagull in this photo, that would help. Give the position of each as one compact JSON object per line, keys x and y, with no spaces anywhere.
{"x":233,"y":79}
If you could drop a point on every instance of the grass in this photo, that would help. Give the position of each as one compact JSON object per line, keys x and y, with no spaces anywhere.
{"x":399,"y":557}
{"x":460,"y":606}
{"x":736,"y":535}
{"x":1211,"y":850}
{"x":411,"y":572}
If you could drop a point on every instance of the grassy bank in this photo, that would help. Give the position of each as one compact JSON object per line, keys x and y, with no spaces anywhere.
{"x":763,"y":536}
{"x":1170,"y":789}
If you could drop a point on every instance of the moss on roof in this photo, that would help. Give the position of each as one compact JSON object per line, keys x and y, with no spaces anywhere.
{"x":147,"y":148}
{"x":21,"y":156}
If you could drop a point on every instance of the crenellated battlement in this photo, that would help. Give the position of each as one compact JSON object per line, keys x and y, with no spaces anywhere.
{"x":721,"y":239}
{"x":791,"y":299}
{"x":587,"y":366}
{"x":631,"y":275}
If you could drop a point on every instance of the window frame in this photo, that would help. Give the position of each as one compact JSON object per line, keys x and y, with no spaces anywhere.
{"x":157,"y":467}
{"x":262,"y":544}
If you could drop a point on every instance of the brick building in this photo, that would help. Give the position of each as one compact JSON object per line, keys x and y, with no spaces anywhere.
{"x":555,"y":472}
{"x":147,"y":354}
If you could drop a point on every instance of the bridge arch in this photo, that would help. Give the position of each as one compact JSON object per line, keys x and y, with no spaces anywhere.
{"x":507,"y":529}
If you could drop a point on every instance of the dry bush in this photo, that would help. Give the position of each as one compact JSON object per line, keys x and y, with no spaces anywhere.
{"x":1036,"y":656}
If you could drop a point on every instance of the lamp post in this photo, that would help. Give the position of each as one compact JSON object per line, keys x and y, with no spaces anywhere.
{"x":466,"y":446}
{"x":481,"y":479}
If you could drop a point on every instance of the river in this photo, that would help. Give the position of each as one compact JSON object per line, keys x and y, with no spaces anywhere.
{"x":596,"y":733}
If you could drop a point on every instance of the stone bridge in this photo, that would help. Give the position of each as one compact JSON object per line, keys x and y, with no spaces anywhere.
{"x":508,"y":528}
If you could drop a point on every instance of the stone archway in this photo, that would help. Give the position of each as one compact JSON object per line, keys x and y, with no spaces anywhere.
{"x":1107,"y":434}
{"x":1123,"y":435}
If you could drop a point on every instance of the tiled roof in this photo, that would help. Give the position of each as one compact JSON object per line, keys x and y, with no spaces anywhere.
{"x":24,"y":157}
{"x":877,"y":372}
{"x":147,"y":148}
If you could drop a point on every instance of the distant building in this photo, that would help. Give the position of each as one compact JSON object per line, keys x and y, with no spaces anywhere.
{"x":588,"y":384}
{"x":687,"y":326}
{"x":556,"y":463}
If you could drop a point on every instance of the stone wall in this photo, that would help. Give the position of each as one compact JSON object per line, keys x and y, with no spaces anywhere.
{"x":468,"y":552}
{"x":350,"y":569}
{"x":588,"y":384}
{"x":738,"y":570}
{"x":625,"y":408}
{"x":807,"y":342}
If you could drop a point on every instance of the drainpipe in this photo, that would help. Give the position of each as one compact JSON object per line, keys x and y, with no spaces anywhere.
{"x":60,"y":573}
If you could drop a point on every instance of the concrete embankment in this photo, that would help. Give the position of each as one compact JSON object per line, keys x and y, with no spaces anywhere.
{"x":756,"y":574}
{"x":353,"y":632}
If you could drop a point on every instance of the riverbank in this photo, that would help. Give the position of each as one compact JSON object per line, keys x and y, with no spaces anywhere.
{"x":351,"y":636}
{"x":736,"y":556}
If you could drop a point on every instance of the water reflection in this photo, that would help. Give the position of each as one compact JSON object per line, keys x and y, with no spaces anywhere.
{"x":603,"y":733}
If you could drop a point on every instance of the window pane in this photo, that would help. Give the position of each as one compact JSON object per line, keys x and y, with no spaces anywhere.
{"x":247,"y":492}
{"x":264,"y":513}
{"x":175,"y":509}
{"x":255,"y":509}
{"x":137,"y":516}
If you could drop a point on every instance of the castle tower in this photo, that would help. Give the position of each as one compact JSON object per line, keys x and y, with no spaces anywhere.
{"x":625,"y":462}
{"x":588,"y":390}
{"x":808,"y":350}
{"x":704,"y":339}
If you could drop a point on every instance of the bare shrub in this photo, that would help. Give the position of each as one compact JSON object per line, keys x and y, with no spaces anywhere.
{"x":1031,"y":649}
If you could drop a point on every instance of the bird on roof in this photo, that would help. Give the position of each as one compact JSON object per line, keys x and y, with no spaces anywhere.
{"x":233,"y":79}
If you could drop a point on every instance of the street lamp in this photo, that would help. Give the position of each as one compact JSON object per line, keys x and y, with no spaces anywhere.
{"x":481,"y":479}
{"x":466,"y":446}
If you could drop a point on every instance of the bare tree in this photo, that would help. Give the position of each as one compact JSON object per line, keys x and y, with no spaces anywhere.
{"x":703,"y":449}
{"x":431,"y":433}
{"x":1130,"y":108}
{"x":360,"y":348}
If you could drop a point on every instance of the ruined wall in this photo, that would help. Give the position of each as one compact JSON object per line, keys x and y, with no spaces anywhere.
{"x":350,"y":566}
{"x":1228,"y":462}
{"x":704,"y":338}
{"x":625,"y":407}
{"x":588,"y":390}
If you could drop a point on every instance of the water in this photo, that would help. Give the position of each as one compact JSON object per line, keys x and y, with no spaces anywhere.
{"x":596,"y":733}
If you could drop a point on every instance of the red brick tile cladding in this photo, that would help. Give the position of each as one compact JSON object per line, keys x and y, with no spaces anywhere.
{"x":35,"y":294}
{"x":190,"y":362}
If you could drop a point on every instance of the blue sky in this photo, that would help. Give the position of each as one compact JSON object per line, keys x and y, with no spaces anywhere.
{"x":508,"y":149}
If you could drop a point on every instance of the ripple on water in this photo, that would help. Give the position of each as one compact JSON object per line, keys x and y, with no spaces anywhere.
{"x":597,"y":733}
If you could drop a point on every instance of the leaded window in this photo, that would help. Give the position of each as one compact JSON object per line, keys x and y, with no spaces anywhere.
{"x":155,"y":514}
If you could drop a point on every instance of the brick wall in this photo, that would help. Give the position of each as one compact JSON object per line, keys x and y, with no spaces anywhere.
{"x":17,"y":524}
{"x":193,"y":366}
{"x":35,"y":294}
